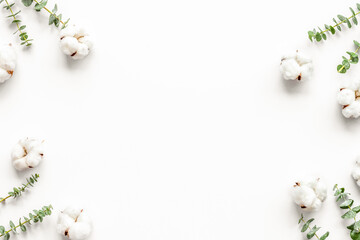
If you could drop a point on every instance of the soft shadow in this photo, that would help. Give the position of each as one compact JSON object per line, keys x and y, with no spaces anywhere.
{"x":294,"y":86}
{"x":77,"y":64}
{"x":349,"y":123}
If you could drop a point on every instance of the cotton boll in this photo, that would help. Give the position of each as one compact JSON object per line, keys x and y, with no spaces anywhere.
{"x":306,"y":70}
{"x":316,"y":205}
{"x":302,"y":59}
{"x":4,"y":75}
{"x":27,"y":153}
{"x":84,"y":218}
{"x":87,"y":41}
{"x":20,"y":164}
{"x":69,"y":45}
{"x":309,"y":195}
{"x":7,"y":62}
{"x":72,"y":212}
{"x":356,"y":175}
{"x":320,"y":189}
{"x":82,"y":51}
{"x":64,"y":223}
{"x":356,"y":172}
{"x":346,"y":96}
{"x":349,"y":98}
{"x":304,"y":196}
{"x":295,"y":67}
{"x":79,"y":231}
{"x":352,"y":110}
{"x":353,"y":84}
{"x":74,"y":223}
{"x":290,"y":69}
{"x":75,"y":42}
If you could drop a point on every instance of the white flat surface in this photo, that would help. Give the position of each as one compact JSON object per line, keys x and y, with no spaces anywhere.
{"x":178,"y":126}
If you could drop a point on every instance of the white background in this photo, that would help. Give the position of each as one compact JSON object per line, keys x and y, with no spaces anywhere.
{"x":178,"y":125}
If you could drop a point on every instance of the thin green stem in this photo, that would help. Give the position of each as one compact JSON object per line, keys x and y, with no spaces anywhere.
{"x":51,"y":13}
{"x":17,"y":24}
{"x":8,"y":231}
{"x":339,"y":23}
{"x":3,"y":199}
{"x":17,"y":191}
{"x":308,"y":228}
{"x":344,"y":66}
{"x":38,"y":217}
{"x":337,"y":188}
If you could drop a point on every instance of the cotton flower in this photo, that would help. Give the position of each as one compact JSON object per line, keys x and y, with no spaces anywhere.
{"x":27,"y":153}
{"x":309,"y":195}
{"x":7,"y":62}
{"x":74,"y":223}
{"x":75,"y":42}
{"x":349,"y":98}
{"x":356,"y":172}
{"x":295,"y":67}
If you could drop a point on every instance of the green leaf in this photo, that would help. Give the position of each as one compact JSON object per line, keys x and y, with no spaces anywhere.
{"x":52,"y":19}
{"x":346,"y":64}
{"x":55,"y":9}
{"x":357,"y":43}
{"x":343,"y":195}
{"x":27,"y":3}
{"x":341,"y":69}
{"x":356,"y":209}
{"x":335,"y":187}
{"x":348,"y":23}
{"x":318,"y":37}
{"x":7,"y":236}
{"x":358,"y":6}
{"x":312,"y":232}
{"x":332,"y":30}
{"x":23,"y":228}
{"x":306,"y":225}
{"x":341,"y":17}
{"x":311,"y":35}
{"x":14,"y":15}
{"x":354,"y":58}
{"x":65,"y":23}
{"x":301,"y":218}
{"x":356,"y":226}
{"x":347,"y":204}
{"x":40,"y":5}
{"x":323,"y":237}
{"x":2,"y":229}
{"x":352,"y":11}
{"x":339,"y":191}
{"x":12,"y":225}
{"x":349,"y":214}
{"x":355,"y":235}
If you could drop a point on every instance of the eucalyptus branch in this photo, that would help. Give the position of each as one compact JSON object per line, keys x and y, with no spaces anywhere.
{"x":321,"y":34}
{"x":38,"y":216}
{"x":312,"y":230}
{"x":53,"y":18}
{"x":354,"y":58}
{"x":17,"y":191}
{"x":351,"y":213}
{"x":20,"y":28}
